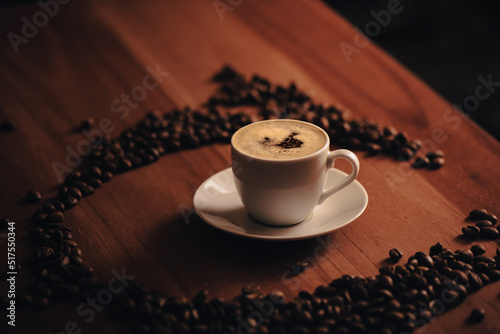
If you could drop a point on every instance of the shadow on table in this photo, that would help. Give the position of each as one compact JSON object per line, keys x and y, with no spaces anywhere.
{"x":204,"y":246}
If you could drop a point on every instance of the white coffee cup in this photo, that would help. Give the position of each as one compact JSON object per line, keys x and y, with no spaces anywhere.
{"x":286,"y":191}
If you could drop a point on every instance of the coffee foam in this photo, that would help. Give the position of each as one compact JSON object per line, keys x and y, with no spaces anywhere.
{"x":279,"y":139}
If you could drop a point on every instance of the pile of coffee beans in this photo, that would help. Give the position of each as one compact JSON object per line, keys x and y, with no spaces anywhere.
{"x":484,"y":225}
{"x":477,"y":315}
{"x":276,"y":101}
{"x":399,"y":298}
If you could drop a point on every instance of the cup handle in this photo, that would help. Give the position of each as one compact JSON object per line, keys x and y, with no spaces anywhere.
{"x":330,"y":160}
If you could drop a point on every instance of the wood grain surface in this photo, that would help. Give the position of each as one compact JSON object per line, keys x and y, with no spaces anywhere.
{"x":90,"y":53}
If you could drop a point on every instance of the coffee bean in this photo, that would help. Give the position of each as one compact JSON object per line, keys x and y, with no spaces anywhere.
{"x":7,"y":126}
{"x":484,"y":223}
{"x":475,"y":281}
{"x":436,"y":249}
{"x":67,"y":235}
{"x":106,"y":176}
{"x":421,"y":162}
{"x":86,"y":124}
{"x":325,"y":291}
{"x":436,"y":163}
{"x":432,"y":155}
{"x":405,"y":154}
{"x":76,"y":252}
{"x":484,"y":278}
{"x":481,"y":267}
{"x":125,"y":165}
{"x":478,"y":249}
{"x":482,"y":214}
{"x":374,"y":149}
{"x":489,"y":232}
{"x":477,"y":315}
{"x":95,"y":172}
{"x":471,"y":231}
{"x":48,"y":208}
{"x":465,"y":255}
{"x":493,"y":275}
{"x":70,"y":202}
{"x":200,"y":297}
{"x":75,"y":192}
{"x":110,"y":167}
{"x":58,"y":205}
{"x":395,"y":254}
{"x":426,"y":261}
{"x":76,"y":260}
{"x":94,"y":183}
{"x":55,"y":217}
{"x":89,"y":190}
{"x":33,"y":196}
{"x":62,"y":192}
{"x":80,"y":185}
{"x":460,"y":276}
{"x":72,"y":177}
{"x":40,"y":217}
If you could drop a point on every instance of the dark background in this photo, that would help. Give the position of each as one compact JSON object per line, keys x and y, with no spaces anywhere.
{"x":448,"y":44}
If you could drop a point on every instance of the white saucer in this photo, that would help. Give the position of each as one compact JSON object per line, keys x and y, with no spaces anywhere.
{"x":217,"y":202}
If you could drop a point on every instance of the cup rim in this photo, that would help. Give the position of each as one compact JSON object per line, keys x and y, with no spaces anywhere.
{"x":305,"y":157}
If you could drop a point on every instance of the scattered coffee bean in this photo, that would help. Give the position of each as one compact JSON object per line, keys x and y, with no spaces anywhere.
{"x":7,"y":126}
{"x":395,"y":254}
{"x":87,"y":123}
{"x":33,"y":196}
{"x":299,"y":268}
{"x":436,"y":163}
{"x":477,"y":315}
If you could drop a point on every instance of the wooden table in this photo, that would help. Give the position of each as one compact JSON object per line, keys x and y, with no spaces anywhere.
{"x":89,"y":54}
